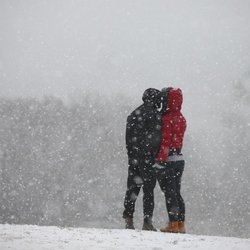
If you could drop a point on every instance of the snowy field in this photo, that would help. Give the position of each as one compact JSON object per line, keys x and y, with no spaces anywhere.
{"x":52,"y":238}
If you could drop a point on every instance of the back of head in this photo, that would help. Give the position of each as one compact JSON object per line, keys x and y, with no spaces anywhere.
{"x":152,"y":97}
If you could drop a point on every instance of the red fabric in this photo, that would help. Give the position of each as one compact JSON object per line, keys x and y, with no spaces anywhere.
{"x":173,"y":125}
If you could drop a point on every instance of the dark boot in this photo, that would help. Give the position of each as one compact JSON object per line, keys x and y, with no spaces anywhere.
{"x":129,"y":223}
{"x":148,"y":225}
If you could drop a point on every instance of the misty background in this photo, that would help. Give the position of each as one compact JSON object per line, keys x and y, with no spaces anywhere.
{"x":71,"y":72}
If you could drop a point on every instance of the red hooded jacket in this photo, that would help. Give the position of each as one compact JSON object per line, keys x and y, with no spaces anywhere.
{"x":173,"y":125}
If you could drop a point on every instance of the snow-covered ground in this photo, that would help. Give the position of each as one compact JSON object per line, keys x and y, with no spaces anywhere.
{"x":17,"y":237}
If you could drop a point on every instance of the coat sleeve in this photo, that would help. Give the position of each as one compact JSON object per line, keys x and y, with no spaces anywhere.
{"x":131,"y":139}
{"x":153,"y":136}
{"x":166,"y":139}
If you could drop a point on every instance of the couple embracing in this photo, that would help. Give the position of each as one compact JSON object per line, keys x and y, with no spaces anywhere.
{"x":154,"y":141}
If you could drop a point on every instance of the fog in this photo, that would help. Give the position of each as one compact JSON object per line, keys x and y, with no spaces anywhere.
{"x":111,"y":50}
{"x":63,"y":46}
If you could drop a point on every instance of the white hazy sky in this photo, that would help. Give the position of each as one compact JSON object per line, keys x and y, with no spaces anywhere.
{"x":65,"y":46}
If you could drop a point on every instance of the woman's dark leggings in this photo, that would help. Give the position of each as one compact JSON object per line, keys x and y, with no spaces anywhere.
{"x":169,"y":179}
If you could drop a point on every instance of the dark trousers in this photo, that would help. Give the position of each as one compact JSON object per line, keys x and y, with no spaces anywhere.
{"x":140,"y":174}
{"x":169,"y":179}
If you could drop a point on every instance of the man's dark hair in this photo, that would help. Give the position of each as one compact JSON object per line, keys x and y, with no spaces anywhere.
{"x":164,"y":93}
{"x":152,"y":96}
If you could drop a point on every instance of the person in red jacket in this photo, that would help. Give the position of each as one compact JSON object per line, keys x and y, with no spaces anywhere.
{"x":170,"y":163}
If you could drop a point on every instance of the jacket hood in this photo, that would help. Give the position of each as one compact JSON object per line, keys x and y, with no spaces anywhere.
{"x":175,"y":100}
{"x":152,"y":97}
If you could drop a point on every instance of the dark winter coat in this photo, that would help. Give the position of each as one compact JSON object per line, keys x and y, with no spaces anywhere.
{"x":143,"y":130}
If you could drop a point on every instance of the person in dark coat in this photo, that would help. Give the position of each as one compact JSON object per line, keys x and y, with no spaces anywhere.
{"x":170,"y":162}
{"x":143,"y":137}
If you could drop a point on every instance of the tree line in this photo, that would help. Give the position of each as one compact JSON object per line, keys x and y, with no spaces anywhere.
{"x":65,"y":164}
